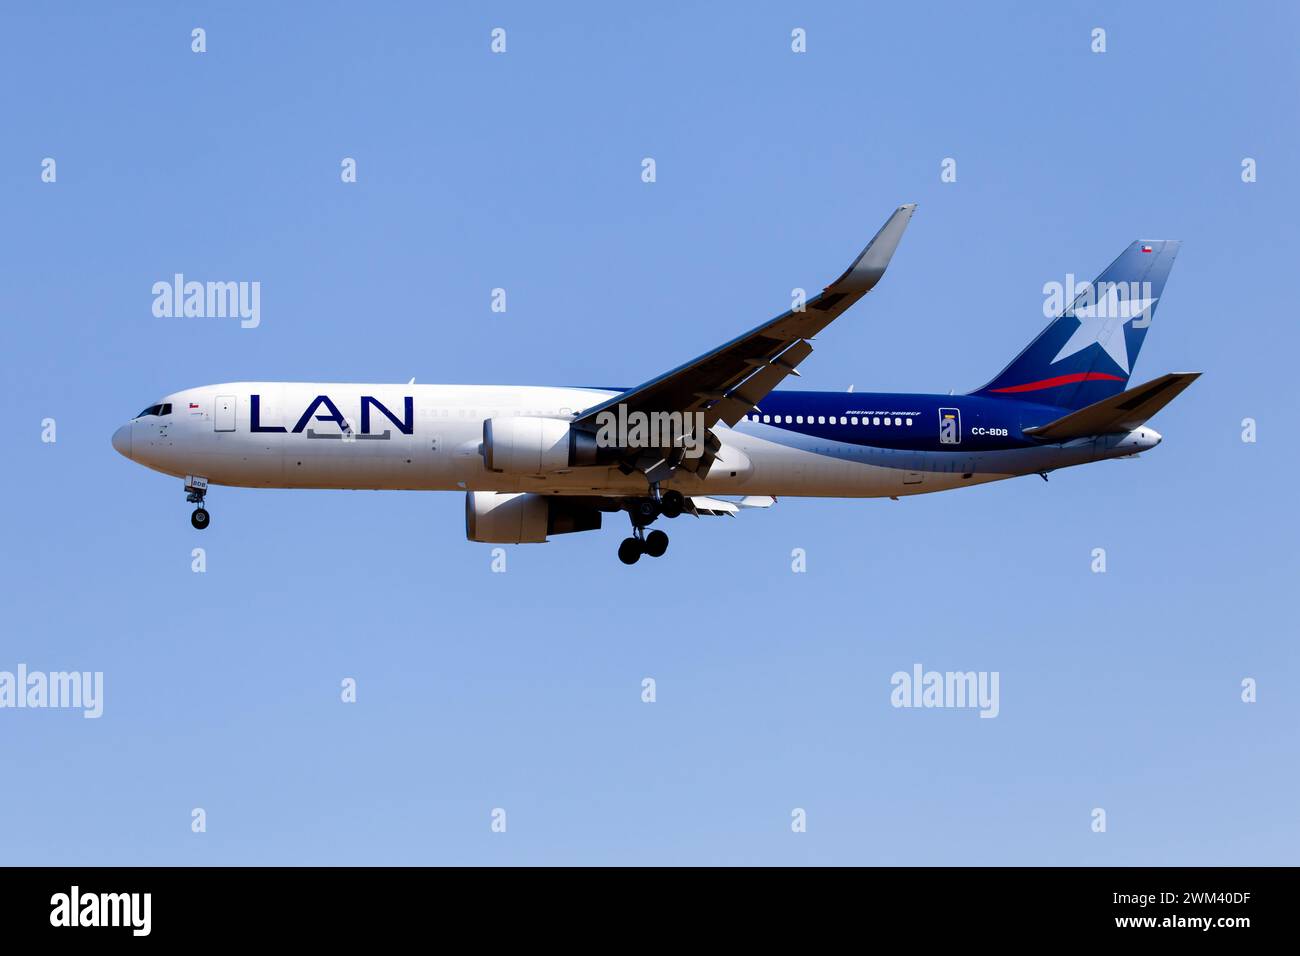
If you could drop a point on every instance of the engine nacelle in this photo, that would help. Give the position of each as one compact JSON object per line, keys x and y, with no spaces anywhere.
{"x":522,"y":518}
{"x":521,"y":445}
{"x":525,"y":446}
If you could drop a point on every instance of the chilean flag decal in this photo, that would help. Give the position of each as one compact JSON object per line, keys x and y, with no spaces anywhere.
{"x":1146,"y":248}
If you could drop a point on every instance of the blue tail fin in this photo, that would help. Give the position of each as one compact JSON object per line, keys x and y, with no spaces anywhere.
{"x":1087,"y":353}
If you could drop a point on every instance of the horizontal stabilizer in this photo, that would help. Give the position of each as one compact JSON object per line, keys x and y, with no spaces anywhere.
{"x":1119,"y":413}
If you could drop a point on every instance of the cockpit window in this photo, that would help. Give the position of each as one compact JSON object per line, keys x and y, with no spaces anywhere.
{"x":163,"y":409}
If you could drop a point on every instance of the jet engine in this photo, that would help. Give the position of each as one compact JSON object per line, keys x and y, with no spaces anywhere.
{"x":524,"y":518}
{"x":524,"y":445}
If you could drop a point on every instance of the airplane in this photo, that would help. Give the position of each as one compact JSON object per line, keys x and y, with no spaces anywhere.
{"x":541,"y":461}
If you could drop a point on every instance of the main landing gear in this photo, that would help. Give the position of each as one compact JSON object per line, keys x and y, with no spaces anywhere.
{"x":643,"y":511}
{"x":671,"y":504}
{"x":654,"y":544}
{"x":196,"y":489}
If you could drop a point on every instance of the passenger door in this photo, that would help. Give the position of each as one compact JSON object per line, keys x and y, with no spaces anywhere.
{"x":223,"y":414}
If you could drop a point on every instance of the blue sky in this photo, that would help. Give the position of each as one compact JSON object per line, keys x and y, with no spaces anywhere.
{"x":523,"y":690}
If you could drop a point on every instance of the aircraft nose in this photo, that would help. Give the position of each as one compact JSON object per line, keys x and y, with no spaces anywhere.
{"x":122,"y":441}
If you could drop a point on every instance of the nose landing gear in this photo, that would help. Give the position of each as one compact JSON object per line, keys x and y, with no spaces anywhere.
{"x":196,"y":489}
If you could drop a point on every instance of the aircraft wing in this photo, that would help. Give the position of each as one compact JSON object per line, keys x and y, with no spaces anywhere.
{"x":1119,"y":413}
{"x":730,"y":381}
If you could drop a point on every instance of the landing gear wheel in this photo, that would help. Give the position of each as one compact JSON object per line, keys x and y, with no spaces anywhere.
{"x":656,"y":543}
{"x":629,"y":552}
{"x":196,"y":489}
{"x":672,"y":503}
{"x":646,"y":510}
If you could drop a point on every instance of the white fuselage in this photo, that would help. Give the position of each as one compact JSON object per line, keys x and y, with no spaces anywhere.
{"x":364,"y":438}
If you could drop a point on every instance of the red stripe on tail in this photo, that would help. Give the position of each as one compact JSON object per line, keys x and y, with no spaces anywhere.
{"x":1060,"y":380}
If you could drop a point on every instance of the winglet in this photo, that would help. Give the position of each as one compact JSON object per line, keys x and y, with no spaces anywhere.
{"x":868,"y":267}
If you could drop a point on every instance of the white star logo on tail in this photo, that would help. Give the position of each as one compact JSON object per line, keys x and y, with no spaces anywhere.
{"x":1102,"y":323}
